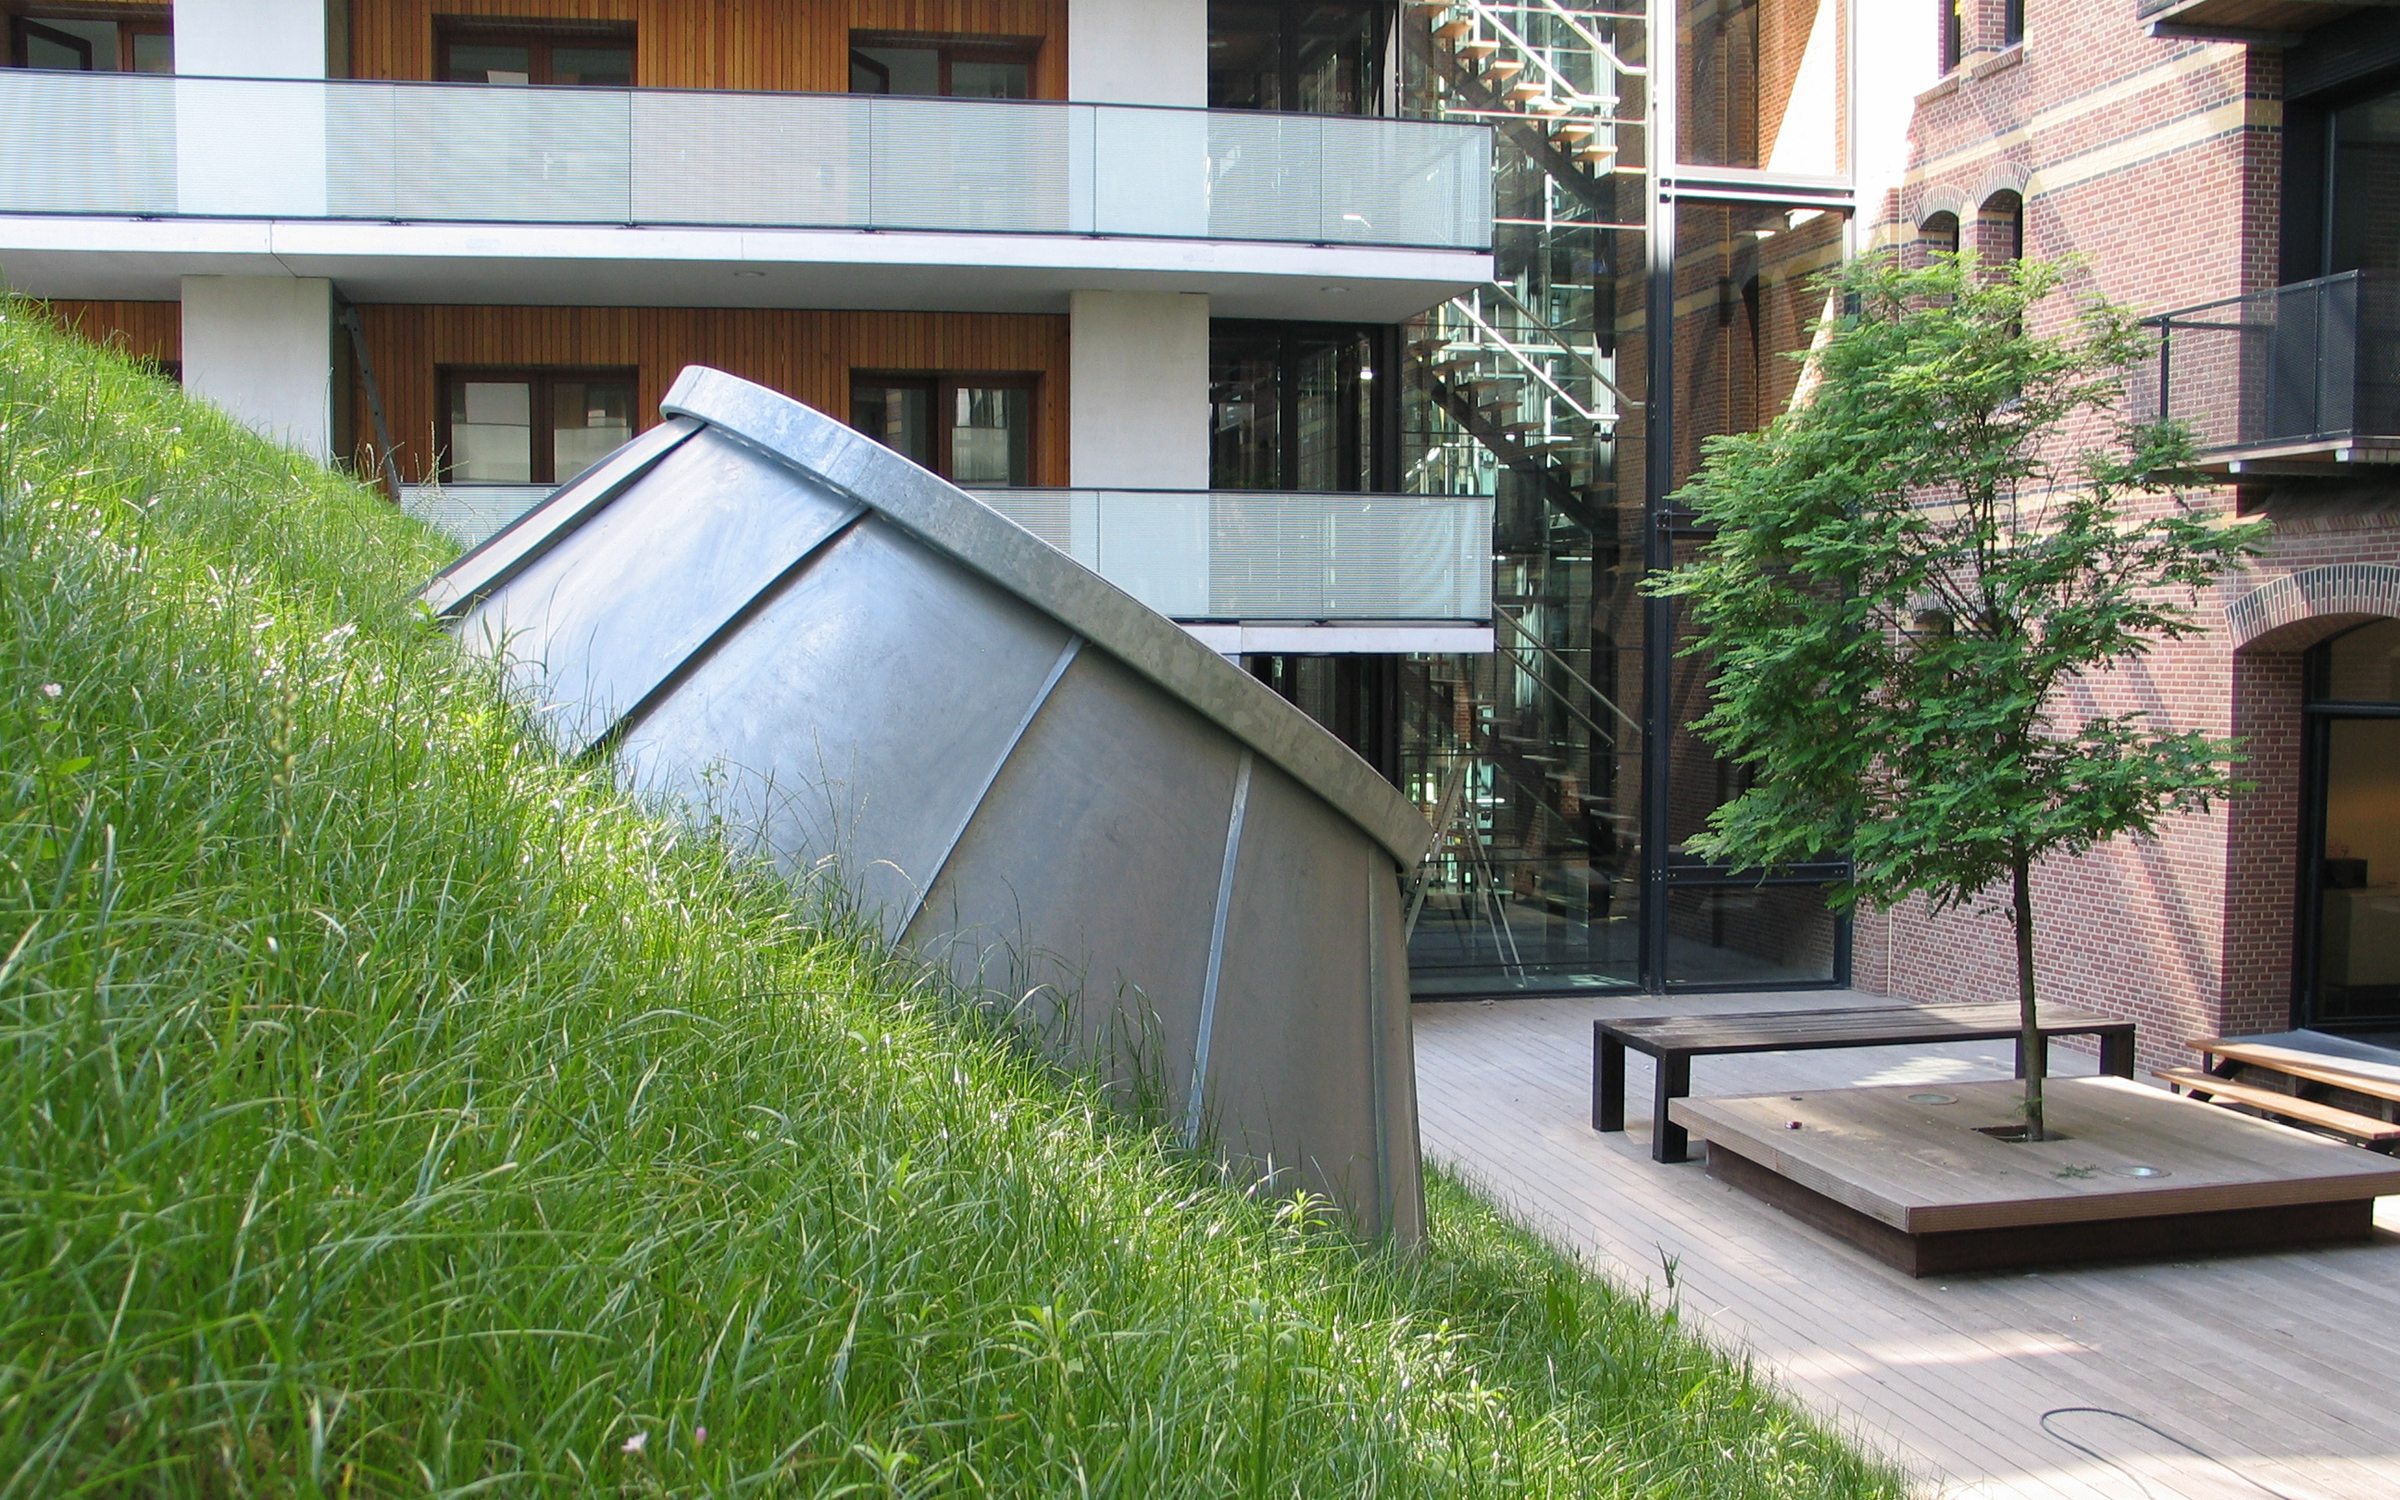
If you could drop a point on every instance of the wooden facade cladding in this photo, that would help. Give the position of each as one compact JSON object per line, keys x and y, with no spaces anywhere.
{"x":145,"y":330}
{"x":808,"y":355}
{"x":800,"y":46}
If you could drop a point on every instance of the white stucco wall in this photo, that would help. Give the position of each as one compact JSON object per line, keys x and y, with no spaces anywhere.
{"x":261,"y":349}
{"x":1138,"y":372}
{"x":250,"y":38}
{"x":1137,"y":52}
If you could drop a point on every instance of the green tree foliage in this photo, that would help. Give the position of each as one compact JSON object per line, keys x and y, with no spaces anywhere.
{"x":1906,"y":573}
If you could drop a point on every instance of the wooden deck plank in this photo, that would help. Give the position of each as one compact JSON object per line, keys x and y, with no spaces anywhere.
{"x":2312,"y":1066}
{"x":1952,"y":1377}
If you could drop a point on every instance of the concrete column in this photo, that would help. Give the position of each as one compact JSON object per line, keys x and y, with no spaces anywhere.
{"x":252,"y":38}
{"x":1137,"y":52}
{"x":1138,"y":374}
{"x":261,"y":349}
{"x":1138,"y":388}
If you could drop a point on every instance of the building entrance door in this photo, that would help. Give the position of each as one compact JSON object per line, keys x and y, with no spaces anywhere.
{"x":2350,"y":909}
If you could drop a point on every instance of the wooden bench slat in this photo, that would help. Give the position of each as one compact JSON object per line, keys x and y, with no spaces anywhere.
{"x":1883,"y":1024}
{"x":2357,"y":1126}
{"x":2299,"y":1065}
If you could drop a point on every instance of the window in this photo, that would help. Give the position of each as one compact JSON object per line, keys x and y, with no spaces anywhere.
{"x":2012,"y":22}
{"x":2000,"y":229}
{"x":973,"y":430}
{"x":94,"y":39}
{"x":1293,"y":406}
{"x":1954,"y":33}
{"x":1311,"y":59}
{"x":2363,"y":186}
{"x":591,"y":55}
{"x":531,"y":426}
{"x":1938,"y":235}
{"x":2349,"y":948}
{"x":902,"y":62}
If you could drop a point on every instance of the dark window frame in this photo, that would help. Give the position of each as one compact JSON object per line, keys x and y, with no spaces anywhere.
{"x":542,"y":462}
{"x":539,"y":38}
{"x":2319,"y":711}
{"x":1375,"y":89}
{"x":130,"y":20}
{"x":1954,"y":34}
{"x":942,"y":387}
{"x":1381,"y":442}
{"x":950,"y":48}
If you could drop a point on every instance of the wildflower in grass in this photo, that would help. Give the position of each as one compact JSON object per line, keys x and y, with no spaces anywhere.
{"x":637,"y":1442}
{"x":699,"y":1436}
{"x":51,"y":690}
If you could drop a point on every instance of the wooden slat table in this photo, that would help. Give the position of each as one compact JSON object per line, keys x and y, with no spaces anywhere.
{"x":1673,"y":1041}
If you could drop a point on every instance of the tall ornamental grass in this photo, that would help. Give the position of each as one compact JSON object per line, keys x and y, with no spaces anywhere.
{"x":390,"y":1109}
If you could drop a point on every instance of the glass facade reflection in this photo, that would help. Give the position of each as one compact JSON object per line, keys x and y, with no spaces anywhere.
{"x":1668,"y":188}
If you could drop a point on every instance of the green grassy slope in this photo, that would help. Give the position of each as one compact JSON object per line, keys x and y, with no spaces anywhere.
{"x":388,"y":1109}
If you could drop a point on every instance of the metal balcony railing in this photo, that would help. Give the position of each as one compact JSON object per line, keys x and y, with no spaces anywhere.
{"x":1258,"y":556}
{"x":1194,"y":555}
{"x":2306,"y":371}
{"x":153,"y":146}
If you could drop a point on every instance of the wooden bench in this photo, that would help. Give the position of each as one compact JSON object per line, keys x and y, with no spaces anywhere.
{"x":2364,"y":1129}
{"x":1673,"y":1041}
{"x":2313,"y":1066}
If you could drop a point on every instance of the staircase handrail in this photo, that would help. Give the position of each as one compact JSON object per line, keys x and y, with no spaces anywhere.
{"x":1581,"y":681}
{"x":1490,"y":14}
{"x":1533,"y":366}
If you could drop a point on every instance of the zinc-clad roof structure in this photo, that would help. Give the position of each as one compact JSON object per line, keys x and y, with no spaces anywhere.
{"x":1058,"y":795}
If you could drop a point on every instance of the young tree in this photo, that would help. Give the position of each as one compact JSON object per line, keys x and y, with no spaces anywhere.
{"x":1905,"y":573}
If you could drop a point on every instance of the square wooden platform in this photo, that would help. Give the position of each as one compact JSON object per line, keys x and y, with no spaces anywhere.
{"x":2130,"y":1171}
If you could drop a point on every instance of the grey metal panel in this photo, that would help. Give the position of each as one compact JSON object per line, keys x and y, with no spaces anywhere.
{"x":593,"y":628}
{"x":856,"y":719}
{"x":1158,"y":865}
{"x":1302,"y":1046}
{"x":499,"y":557}
{"x":955,"y":524}
{"x":1086,"y":885}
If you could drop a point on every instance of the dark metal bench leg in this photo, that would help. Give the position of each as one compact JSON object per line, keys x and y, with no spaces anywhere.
{"x":2116,"y":1053}
{"x":1667,"y":1139}
{"x":1608,"y":1081}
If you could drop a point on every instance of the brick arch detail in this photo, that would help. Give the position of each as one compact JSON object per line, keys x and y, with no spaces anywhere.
{"x":2352,"y":589}
{"x":1943,"y":201}
{"x":2003,"y":180}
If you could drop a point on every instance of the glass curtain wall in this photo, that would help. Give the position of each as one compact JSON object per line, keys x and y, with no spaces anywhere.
{"x":1528,"y":760}
{"x":1559,"y":769}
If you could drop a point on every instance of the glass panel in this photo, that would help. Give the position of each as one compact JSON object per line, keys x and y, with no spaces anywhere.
{"x":898,"y":416}
{"x":491,"y":432}
{"x":1334,"y":57}
{"x":975,"y":79}
{"x":1749,"y":934}
{"x":2364,"y":665}
{"x":989,"y":435}
{"x":1245,"y":393}
{"x":1762,"y":85}
{"x":153,"y":52}
{"x":1312,"y":59}
{"x":896,"y":70}
{"x":1334,"y":418}
{"x":71,"y":45}
{"x":592,"y":65}
{"x":1245,"y":56}
{"x":490,"y":62}
{"x":589,"y":419}
{"x":2365,"y":191}
{"x":2358,"y":950}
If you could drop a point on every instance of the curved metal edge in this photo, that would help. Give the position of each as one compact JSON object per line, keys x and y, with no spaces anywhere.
{"x":957,"y":525}
{"x":506,"y":552}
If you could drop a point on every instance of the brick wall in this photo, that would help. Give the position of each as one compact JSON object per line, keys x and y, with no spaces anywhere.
{"x":2158,"y":164}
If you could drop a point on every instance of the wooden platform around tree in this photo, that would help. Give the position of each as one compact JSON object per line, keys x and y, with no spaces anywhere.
{"x":1915,"y":1182}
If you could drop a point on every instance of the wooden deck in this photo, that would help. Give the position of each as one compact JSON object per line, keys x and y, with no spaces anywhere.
{"x":2276,"y":1363}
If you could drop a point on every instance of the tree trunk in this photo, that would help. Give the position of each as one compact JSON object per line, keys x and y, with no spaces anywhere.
{"x":2029,"y":1034}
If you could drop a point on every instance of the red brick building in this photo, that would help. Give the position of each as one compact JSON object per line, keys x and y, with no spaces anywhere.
{"x":2234,"y":165}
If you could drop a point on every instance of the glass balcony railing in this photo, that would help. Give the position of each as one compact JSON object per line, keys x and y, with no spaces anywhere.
{"x":1258,"y":555}
{"x":2304,"y":372}
{"x":1194,"y":555}
{"x":153,"y":146}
